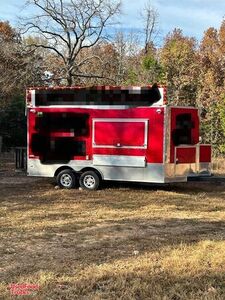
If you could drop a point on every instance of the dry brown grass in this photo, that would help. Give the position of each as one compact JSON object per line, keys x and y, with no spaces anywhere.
{"x":122,"y":242}
{"x":219,"y":166}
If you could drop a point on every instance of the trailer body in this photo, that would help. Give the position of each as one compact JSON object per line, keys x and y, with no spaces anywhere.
{"x":118,"y":140}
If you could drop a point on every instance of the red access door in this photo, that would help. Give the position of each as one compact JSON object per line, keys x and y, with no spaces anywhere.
{"x":120,"y":141}
{"x":120,"y":133}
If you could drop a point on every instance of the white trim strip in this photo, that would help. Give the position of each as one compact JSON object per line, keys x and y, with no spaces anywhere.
{"x":33,"y":98}
{"x":119,"y":160}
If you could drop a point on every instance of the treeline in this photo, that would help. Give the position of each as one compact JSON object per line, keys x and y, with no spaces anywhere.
{"x":194,"y":71}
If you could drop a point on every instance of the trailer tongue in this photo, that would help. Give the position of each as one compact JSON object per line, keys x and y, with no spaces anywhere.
{"x":112,"y":133}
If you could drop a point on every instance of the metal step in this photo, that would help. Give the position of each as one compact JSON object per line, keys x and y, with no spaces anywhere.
{"x":209,"y":178}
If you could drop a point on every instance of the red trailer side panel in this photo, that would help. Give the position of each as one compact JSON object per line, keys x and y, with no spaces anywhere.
{"x":132,"y":132}
{"x":205,"y":153}
{"x":186,"y":155}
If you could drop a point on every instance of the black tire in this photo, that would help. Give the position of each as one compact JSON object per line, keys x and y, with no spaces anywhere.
{"x":89,"y":181}
{"x":66,"y":179}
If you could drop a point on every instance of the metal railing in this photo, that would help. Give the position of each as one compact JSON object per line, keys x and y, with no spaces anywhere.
{"x":21,"y":158}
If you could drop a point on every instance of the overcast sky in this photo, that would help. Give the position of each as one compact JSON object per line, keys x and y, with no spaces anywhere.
{"x":192,"y":16}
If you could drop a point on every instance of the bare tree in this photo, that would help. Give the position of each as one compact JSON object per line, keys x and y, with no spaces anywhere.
{"x":19,"y":66}
{"x":127,"y":47}
{"x":149,"y":17}
{"x":69,"y":26}
{"x":121,"y":49}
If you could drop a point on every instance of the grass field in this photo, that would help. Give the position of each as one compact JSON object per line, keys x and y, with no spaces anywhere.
{"x":122,"y":242}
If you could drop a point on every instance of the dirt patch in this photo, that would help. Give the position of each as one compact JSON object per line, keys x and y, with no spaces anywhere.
{"x":122,"y":242}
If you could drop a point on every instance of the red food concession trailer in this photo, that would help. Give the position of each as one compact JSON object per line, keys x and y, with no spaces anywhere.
{"x":87,"y":135}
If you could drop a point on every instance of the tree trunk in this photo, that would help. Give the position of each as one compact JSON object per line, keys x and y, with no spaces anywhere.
{"x":69,"y":79}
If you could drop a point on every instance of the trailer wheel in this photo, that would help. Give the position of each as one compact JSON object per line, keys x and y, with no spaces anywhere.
{"x":89,"y":181}
{"x":66,"y":179}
